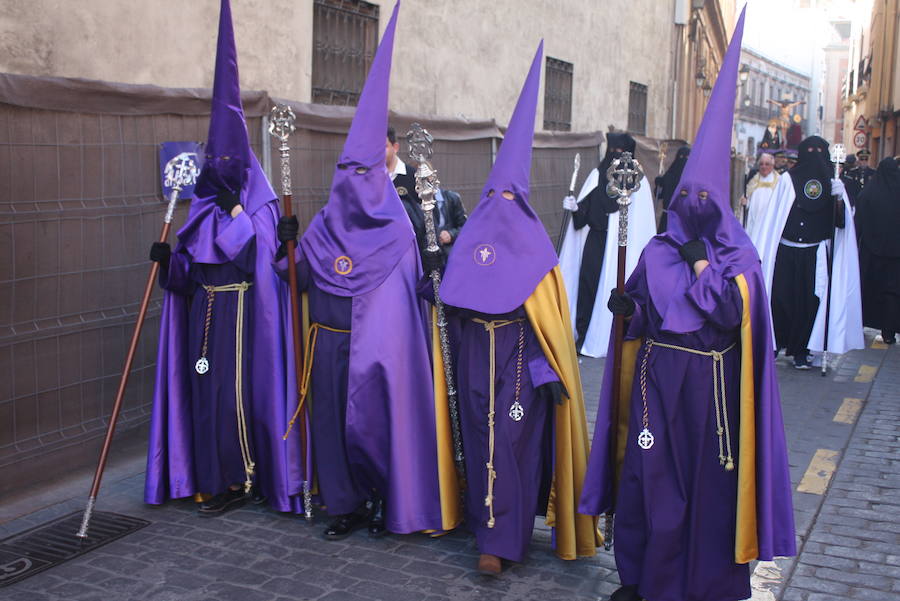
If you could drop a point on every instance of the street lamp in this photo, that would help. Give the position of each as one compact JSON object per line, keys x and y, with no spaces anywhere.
{"x":707,"y":89}
{"x":744,"y":73}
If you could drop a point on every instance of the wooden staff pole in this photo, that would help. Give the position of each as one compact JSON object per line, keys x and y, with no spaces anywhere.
{"x":281,"y":125}
{"x":129,"y":358}
{"x":624,"y":176}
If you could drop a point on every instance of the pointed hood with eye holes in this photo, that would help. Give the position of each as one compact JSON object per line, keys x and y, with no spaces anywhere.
{"x":361,"y":233}
{"x":701,"y":206}
{"x":504,"y":251}
{"x":229,"y":161}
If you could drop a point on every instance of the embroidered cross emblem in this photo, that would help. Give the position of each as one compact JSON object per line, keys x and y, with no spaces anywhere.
{"x":485,"y":255}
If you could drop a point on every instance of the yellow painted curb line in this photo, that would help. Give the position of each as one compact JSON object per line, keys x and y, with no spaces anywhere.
{"x":819,"y":472}
{"x":865,"y":374}
{"x":848,"y":411}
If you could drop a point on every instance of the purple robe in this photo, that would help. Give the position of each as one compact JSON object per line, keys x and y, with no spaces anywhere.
{"x":522,"y":449}
{"x":681,"y":527}
{"x":675,"y":499}
{"x":361,"y":247}
{"x":192,"y":443}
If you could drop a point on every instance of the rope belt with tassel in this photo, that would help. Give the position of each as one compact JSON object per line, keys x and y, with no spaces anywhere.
{"x":515,"y":409}
{"x":723,"y":432}
{"x":202,"y":367}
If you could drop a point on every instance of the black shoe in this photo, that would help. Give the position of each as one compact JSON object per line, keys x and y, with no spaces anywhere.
{"x":376,"y":519}
{"x":222,"y":502}
{"x":257,"y":497}
{"x":801,"y":361}
{"x":776,"y":353}
{"x":888,"y":337}
{"x":626,"y":593}
{"x":344,"y":525}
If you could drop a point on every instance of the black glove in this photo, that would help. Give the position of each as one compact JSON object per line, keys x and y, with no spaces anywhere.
{"x":620,"y":304}
{"x":432,"y":261}
{"x":693,"y":251}
{"x":227,"y":200}
{"x":287,"y":229}
{"x":160,"y":253}
{"x":552,"y":392}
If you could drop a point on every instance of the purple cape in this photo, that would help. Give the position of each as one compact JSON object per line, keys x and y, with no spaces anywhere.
{"x":361,"y":245}
{"x":210,"y":236}
{"x":701,"y":209}
{"x":503,"y":252}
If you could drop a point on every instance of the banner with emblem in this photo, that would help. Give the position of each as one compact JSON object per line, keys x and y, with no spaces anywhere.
{"x":181,"y":159}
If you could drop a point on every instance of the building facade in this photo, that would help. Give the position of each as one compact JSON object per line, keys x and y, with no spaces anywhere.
{"x":765,"y":80}
{"x":871,"y":90}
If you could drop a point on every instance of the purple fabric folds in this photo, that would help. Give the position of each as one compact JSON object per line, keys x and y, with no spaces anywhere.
{"x":671,"y":540}
{"x":212,"y":238}
{"x":362,"y":246}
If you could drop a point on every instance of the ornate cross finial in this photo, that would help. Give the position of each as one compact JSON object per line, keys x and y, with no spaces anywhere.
{"x":420,"y":152}
{"x":420,"y":143}
{"x":281,"y":122}
{"x":838,"y":154}
{"x":624,"y":176}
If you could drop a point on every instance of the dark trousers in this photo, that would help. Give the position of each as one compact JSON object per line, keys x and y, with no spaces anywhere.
{"x":794,"y":300}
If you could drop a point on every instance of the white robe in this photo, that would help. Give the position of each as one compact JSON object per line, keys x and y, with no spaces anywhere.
{"x":760,"y":191}
{"x":641,"y":227}
{"x":845,"y":330}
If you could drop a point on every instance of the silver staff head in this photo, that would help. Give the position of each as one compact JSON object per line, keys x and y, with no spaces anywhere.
{"x":421,"y":150}
{"x":838,"y":154}
{"x":281,"y":122}
{"x":624,"y":176}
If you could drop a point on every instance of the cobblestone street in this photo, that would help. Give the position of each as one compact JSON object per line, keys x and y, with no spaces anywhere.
{"x":842,"y":433}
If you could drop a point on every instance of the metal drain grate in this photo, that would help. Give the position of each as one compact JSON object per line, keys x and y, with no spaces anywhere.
{"x":25,"y":554}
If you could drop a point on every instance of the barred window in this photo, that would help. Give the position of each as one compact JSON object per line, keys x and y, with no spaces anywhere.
{"x":637,"y":108}
{"x":558,"y":95}
{"x":345,"y":36}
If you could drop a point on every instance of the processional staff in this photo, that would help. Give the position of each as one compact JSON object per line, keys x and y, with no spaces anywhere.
{"x":838,"y":156}
{"x":427,"y":184}
{"x":183,"y":171}
{"x":568,"y":214}
{"x":624,"y":177}
{"x":281,"y":126}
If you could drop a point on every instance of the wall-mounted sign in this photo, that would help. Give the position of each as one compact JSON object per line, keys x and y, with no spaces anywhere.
{"x":860,"y":139}
{"x":861,"y":123}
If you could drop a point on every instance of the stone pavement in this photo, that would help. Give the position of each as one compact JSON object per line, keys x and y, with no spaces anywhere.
{"x":847,"y":522}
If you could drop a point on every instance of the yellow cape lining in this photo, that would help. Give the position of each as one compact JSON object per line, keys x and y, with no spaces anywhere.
{"x":548,"y":312}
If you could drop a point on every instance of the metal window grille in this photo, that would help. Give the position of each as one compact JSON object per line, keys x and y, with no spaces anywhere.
{"x":637,"y":108}
{"x":558,"y":95}
{"x":345,"y":36}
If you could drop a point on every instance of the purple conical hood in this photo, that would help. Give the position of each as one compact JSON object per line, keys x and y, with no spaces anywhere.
{"x":701,"y":206}
{"x":503,"y":252}
{"x":227,"y":145}
{"x":368,"y":132}
{"x":708,"y":166}
{"x":512,"y":167}
{"x":361,"y":233}
{"x":229,"y":162}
